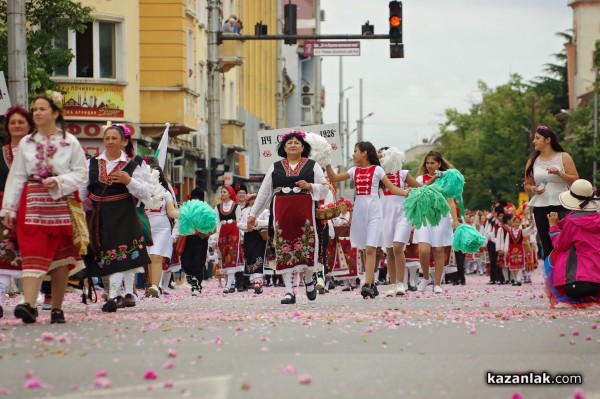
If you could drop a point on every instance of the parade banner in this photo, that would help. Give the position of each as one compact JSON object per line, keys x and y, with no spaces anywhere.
{"x":269,"y":139}
{"x":85,"y":101}
{"x":4,"y":98}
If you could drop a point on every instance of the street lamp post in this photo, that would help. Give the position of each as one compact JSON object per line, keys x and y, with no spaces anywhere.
{"x":359,"y":125}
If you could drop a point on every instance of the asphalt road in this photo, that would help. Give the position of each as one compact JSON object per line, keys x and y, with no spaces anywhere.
{"x":340,"y":346}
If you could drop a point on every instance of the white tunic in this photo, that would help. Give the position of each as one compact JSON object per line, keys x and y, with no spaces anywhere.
{"x":553,"y":184}
{"x":365,"y":230}
{"x":68,"y":163}
{"x":161,"y":229}
{"x":438,"y":236}
{"x":395,"y":227}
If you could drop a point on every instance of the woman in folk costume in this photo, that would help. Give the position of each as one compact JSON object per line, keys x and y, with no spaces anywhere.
{"x":510,"y":239}
{"x":228,"y":216}
{"x":17,"y":123}
{"x":293,"y":185}
{"x":572,"y":271}
{"x":342,"y":256}
{"x":395,"y":231}
{"x":366,"y":219}
{"x":49,"y":166}
{"x":117,"y":245}
{"x":255,"y":243}
{"x":434,"y":238}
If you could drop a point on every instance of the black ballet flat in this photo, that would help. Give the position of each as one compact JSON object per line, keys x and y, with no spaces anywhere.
{"x":288,"y":299}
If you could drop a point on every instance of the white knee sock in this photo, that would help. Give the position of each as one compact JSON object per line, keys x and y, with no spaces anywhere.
{"x":116,"y":280}
{"x":287,"y":280}
{"x":4,"y":286}
{"x":128,"y":279}
{"x":230,"y":280}
{"x":166,"y":279}
{"x":505,"y":273}
{"x":414,"y":274}
{"x":308,"y":280}
{"x":256,"y":278}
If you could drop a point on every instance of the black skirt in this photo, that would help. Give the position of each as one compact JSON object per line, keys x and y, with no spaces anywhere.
{"x":254,"y":252}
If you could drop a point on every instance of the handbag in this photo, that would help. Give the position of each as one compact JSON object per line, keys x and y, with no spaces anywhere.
{"x":81,"y":235}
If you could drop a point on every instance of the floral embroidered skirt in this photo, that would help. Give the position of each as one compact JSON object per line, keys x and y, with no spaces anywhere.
{"x":295,"y":239}
{"x":254,"y":251}
{"x":116,"y":240}
{"x":10,"y":259}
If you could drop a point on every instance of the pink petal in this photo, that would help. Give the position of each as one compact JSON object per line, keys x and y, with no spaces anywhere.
{"x":171,"y":353}
{"x":579,"y":394}
{"x":168,"y":384}
{"x":4,"y":391}
{"x":218,"y":341}
{"x":29,"y":374}
{"x":47,"y":337}
{"x":168,"y":365}
{"x":575,"y":332}
{"x":245,"y":386}
{"x":588,"y":338}
{"x":486,"y":304}
{"x":516,"y":395}
{"x":572,"y":342}
{"x":33,"y":383}
{"x":289,"y":370}
{"x":594,"y":326}
{"x":304,"y":379}
{"x":101,"y":373}
{"x":150,"y":375}
{"x":102,"y":383}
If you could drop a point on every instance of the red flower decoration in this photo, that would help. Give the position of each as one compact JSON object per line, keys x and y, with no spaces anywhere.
{"x":267,"y":153}
{"x":334,"y":147}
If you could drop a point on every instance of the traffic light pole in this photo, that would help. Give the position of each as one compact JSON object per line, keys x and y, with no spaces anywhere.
{"x":233,"y":36}
{"x":214,"y":92}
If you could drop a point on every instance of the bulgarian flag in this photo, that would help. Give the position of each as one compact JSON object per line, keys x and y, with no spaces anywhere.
{"x":161,"y":151}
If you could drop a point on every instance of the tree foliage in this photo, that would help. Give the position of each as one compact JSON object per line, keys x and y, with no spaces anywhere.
{"x":44,"y":20}
{"x":491,"y":143}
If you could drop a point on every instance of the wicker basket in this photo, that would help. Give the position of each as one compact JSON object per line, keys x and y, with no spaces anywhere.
{"x":328,"y":213}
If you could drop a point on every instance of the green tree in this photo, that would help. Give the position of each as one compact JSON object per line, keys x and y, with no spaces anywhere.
{"x":580,"y":143}
{"x":490,"y":144}
{"x":44,"y":20}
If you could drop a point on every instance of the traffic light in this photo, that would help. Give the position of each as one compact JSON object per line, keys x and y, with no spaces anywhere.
{"x":216,"y":172}
{"x":396,"y":46}
{"x":395,"y":22}
{"x":367,"y":29}
{"x":260,"y":29}
{"x":289,"y":22}
{"x":201,"y":175}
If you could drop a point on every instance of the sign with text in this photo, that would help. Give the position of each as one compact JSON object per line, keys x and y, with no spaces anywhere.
{"x":320,"y":49}
{"x":87,"y":101}
{"x":269,"y":139}
{"x":92,"y":130}
{"x":4,"y":99}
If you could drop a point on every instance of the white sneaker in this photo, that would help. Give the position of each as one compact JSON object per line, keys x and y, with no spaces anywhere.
{"x":392,"y":291}
{"x":437,"y":289}
{"x":153,"y":291}
{"x":400,"y":290}
{"x":423,"y":284}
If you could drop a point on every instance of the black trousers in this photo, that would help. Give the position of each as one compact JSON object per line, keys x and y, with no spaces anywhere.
{"x":540,"y":214}
{"x":193,"y":258}
{"x":323,"y":234}
{"x":495,"y":272}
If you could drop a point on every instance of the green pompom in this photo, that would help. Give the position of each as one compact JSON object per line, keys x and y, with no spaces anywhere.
{"x":451,"y":182}
{"x":467,"y":239}
{"x":196,"y":215}
{"x":426,"y":205}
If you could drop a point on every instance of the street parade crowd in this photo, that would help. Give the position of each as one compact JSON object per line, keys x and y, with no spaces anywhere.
{"x":113,"y":223}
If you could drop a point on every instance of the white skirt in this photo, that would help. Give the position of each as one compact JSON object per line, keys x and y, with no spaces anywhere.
{"x":161,"y":236}
{"x":438,"y":236}
{"x":394,"y":225}
{"x":365,"y":230}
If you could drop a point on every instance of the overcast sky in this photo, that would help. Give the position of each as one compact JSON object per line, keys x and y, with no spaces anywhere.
{"x":449,"y":46}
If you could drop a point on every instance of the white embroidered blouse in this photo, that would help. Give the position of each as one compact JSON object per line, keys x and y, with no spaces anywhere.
{"x":54,"y":154}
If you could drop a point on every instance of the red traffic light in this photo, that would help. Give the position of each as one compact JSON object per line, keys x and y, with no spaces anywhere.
{"x":395,"y":21}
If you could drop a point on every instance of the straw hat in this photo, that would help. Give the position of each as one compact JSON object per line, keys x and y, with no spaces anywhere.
{"x":580,"y":197}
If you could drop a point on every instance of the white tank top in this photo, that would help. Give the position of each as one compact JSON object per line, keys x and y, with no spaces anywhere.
{"x":554,"y":184}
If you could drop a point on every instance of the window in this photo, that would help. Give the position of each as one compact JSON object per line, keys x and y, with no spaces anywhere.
{"x":96,"y":51}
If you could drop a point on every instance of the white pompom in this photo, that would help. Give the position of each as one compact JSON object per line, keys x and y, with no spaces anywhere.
{"x":320,"y":149}
{"x":392,"y":160}
{"x":159,"y":192}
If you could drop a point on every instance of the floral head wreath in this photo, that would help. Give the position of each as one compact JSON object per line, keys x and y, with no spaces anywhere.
{"x":290,"y":132}
{"x":56,"y":97}
{"x":123,"y":127}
